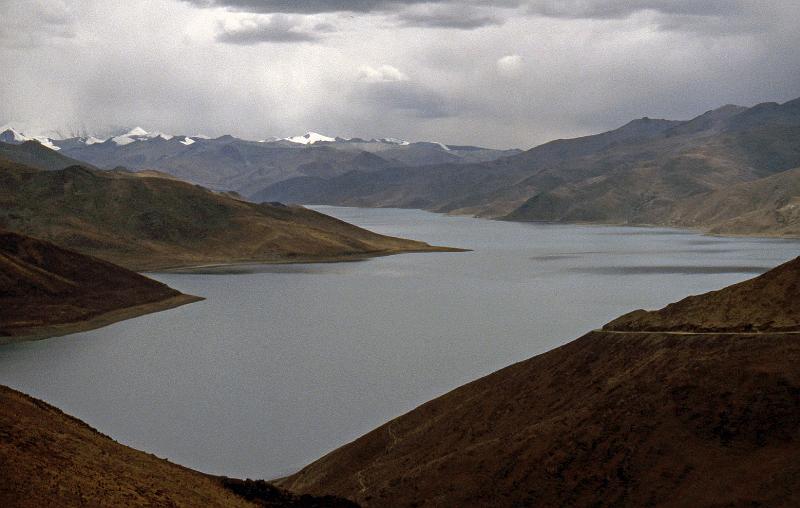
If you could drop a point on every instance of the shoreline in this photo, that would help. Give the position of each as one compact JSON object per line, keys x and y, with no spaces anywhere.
{"x":99,"y":321}
{"x":690,"y":229}
{"x":687,"y":229}
{"x":342,"y":258}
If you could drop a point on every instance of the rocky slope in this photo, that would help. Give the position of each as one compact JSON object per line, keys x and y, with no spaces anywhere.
{"x":46,"y":291}
{"x":618,"y":417}
{"x":152,"y":222}
{"x":48,"y":458}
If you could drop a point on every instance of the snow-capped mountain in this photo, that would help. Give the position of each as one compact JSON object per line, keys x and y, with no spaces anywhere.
{"x":245,"y":166}
{"x":139,"y":134}
{"x":10,"y":134}
{"x":13,"y":136}
{"x":309,"y":138}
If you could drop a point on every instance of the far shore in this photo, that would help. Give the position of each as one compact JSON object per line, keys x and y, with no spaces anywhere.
{"x":105,"y":319}
{"x":343,"y":258}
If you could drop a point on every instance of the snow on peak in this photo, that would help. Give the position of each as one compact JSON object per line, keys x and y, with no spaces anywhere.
{"x":138,"y":134}
{"x":187,"y":141}
{"x":91,"y":140}
{"x":394,"y":141}
{"x":11,"y":135}
{"x":309,"y":138}
{"x":136,"y":131}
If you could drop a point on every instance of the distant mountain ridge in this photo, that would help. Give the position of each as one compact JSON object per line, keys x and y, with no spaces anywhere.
{"x":243,"y":166}
{"x":647,"y":172}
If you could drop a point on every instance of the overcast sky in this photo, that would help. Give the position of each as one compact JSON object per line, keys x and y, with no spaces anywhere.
{"x":501,"y":73}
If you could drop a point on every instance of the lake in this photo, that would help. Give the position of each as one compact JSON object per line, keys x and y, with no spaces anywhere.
{"x":284,"y":363}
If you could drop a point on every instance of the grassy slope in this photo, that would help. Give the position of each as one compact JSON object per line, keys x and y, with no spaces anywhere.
{"x":46,"y":290}
{"x":34,"y":154}
{"x":148,"y":223}
{"x":610,"y":419}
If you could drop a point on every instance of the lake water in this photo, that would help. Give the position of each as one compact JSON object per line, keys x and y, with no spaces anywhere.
{"x":282,"y":364}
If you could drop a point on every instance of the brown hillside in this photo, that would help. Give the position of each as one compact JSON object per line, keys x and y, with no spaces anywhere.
{"x":46,"y":290}
{"x":768,"y":303}
{"x":767,"y":206}
{"x":148,"y":223}
{"x":50,"y":459}
{"x":610,"y":419}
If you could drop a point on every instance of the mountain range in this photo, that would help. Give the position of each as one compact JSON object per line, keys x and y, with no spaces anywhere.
{"x":230,"y":163}
{"x":647,"y":172}
{"x":726,"y":171}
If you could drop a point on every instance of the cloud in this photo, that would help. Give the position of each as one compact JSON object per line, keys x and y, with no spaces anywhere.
{"x":509,"y":65}
{"x":307,"y":6}
{"x":278,"y":28}
{"x":387,"y":88}
{"x":463,"y":17}
{"x":382,"y":74}
{"x":35,"y":23}
{"x":577,"y":75}
{"x":361,"y":6}
{"x":606,"y":9}
{"x":402,"y":97}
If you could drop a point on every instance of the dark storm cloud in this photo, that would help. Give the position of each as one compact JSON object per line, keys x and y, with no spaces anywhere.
{"x":278,"y":28}
{"x":459,"y":17}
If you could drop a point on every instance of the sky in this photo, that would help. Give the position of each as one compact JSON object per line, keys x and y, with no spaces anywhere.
{"x":496,"y":73}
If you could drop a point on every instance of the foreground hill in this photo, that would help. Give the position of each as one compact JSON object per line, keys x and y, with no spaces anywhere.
{"x":641,"y":173}
{"x":143,"y":222}
{"x":47,"y":291}
{"x":618,"y":417}
{"x":48,"y":458}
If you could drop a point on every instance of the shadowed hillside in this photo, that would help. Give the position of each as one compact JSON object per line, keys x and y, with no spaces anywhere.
{"x":46,"y":290}
{"x":614,"y":418}
{"x":149,"y":223}
{"x":768,"y":303}
{"x":48,"y":458}
{"x":33,"y":154}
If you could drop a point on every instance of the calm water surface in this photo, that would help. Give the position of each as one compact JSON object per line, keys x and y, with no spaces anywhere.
{"x":282,"y":364}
